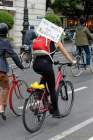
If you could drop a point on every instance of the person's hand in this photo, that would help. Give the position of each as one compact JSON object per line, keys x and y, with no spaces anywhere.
{"x":74,"y":62}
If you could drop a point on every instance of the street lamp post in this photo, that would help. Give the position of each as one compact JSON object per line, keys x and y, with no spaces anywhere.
{"x":25,"y":21}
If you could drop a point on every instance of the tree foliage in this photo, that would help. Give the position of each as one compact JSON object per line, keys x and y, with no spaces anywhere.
{"x":73,"y":7}
{"x":88,"y":8}
{"x":54,"y":19}
{"x":6,"y":18}
{"x":68,"y":7}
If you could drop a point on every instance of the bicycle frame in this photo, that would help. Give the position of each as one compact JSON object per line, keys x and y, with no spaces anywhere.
{"x":44,"y":98}
{"x":14,"y":83}
{"x":59,"y":78}
{"x":83,"y":57}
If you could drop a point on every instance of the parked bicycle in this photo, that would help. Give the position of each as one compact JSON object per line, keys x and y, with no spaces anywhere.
{"x":80,"y":66}
{"x":38,"y":103}
{"x":17,"y":94}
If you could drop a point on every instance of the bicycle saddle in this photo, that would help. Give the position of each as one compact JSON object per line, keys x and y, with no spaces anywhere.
{"x":36,"y":85}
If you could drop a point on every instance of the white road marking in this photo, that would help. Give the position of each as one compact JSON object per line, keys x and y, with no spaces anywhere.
{"x":72,"y":130}
{"x":90,"y":138}
{"x":78,"y":89}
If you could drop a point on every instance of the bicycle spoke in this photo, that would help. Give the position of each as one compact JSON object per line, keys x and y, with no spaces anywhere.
{"x":66,"y":98}
{"x":18,"y":97}
{"x":26,"y":60}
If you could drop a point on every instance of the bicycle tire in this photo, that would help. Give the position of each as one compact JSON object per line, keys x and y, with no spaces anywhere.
{"x":65,"y":98}
{"x":76,"y":69}
{"x":17,"y":96}
{"x":91,"y":63}
{"x":25,"y":60}
{"x":29,"y":110}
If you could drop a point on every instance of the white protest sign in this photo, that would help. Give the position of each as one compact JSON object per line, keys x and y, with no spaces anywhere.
{"x":49,"y":30}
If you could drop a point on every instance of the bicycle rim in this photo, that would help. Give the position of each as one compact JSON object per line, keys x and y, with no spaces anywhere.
{"x":76,"y":69}
{"x":32,"y":118}
{"x":65,"y":98}
{"x":25,"y":60}
{"x":17,"y":97}
{"x":91,"y":64}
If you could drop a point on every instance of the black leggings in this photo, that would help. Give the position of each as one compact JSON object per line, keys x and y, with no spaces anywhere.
{"x":43,"y":66}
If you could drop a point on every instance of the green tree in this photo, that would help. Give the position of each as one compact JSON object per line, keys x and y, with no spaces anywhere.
{"x":88,"y":8}
{"x":54,"y":19}
{"x":72,"y":7}
{"x":68,"y":7}
{"x":6,"y":18}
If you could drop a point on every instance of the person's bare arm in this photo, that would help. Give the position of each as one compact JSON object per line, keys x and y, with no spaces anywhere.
{"x":65,"y":53}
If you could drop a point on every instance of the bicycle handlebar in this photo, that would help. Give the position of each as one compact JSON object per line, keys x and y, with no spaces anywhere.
{"x":62,"y":64}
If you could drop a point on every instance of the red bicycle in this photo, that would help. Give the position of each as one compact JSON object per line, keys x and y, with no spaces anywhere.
{"x":38,"y":103}
{"x":17,"y":93}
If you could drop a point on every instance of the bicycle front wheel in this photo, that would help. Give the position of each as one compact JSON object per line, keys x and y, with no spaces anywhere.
{"x":91,"y":63}
{"x":32,"y":117}
{"x":18,"y":94}
{"x":76,"y":69}
{"x":65,"y":98}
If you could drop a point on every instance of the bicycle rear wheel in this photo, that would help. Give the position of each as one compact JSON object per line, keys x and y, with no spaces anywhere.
{"x":76,"y":69}
{"x":65,"y":98}
{"x":26,"y":59}
{"x":18,"y":94}
{"x":33,"y":118}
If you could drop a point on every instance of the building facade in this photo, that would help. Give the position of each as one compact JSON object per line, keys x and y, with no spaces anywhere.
{"x":36,"y":11}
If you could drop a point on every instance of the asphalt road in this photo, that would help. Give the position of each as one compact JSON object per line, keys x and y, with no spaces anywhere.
{"x":77,"y":126}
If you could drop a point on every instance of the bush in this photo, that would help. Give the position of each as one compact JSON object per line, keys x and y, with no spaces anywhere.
{"x":6,"y":18}
{"x":54,"y":19}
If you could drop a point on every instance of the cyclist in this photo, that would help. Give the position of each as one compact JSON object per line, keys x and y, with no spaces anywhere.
{"x":82,"y":37}
{"x":5,"y":48}
{"x":29,"y":37}
{"x":43,"y":65}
